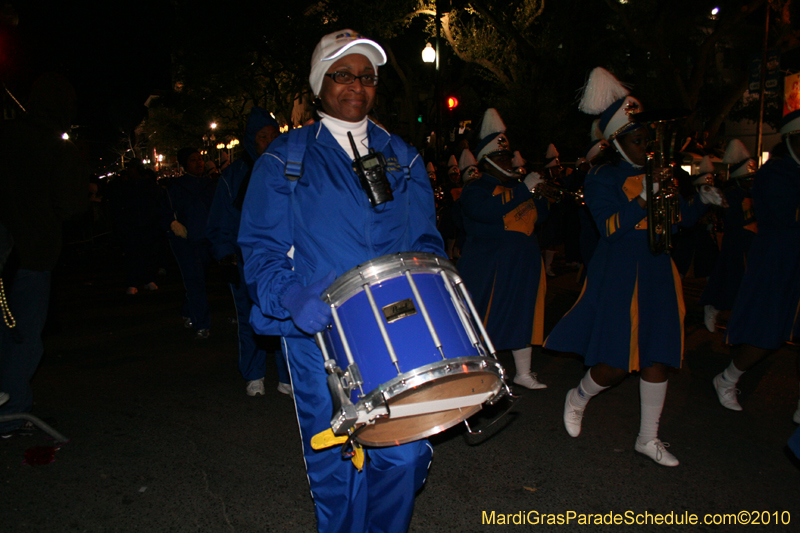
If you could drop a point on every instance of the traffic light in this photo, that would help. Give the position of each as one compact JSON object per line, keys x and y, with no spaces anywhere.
{"x":452,"y":102}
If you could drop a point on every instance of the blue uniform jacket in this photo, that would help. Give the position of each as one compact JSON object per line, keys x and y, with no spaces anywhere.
{"x":501,"y":263}
{"x":327,"y":219}
{"x":223,"y":220}
{"x":188,"y":200}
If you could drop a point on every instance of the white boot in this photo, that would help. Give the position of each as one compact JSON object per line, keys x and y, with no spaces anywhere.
{"x":524,"y":377}
{"x":548,"y":262}
{"x":710,"y":317}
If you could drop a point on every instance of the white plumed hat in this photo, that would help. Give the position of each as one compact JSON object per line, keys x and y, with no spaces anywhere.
{"x":705,"y":172}
{"x":493,"y":134}
{"x":551,"y":157}
{"x":740,"y":163}
{"x":603,"y":93}
{"x":468,"y":166}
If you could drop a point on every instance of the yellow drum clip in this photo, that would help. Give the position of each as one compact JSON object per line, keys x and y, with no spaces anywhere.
{"x":326,"y":439}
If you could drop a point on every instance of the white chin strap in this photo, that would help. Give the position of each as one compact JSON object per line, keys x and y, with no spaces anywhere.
{"x":789,"y":146}
{"x":624,"y":155}
{"x":504,"y":172}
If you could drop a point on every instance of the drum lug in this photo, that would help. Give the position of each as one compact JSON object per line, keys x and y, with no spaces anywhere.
{"x":352,"y":378}
{"x":344,"y":412}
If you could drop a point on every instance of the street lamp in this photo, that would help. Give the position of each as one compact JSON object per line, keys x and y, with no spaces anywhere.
{"x":428,"y":54}
{"x":220,"y":146}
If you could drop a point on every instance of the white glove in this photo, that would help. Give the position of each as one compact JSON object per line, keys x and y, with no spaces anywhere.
{"x":712,"y":195}
{"x":532,"y":180}
{"x":643,"y":196}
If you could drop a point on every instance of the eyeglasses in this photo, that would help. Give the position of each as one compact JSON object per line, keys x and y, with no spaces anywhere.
{"x":346,"y":78}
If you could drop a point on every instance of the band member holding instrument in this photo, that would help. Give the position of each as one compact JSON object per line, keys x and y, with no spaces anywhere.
{"x":629,"y":316}
{"x":765,"y":314}
{"x":739,"y":229}
{"x":696,"y":247}
{"x":501,"y":263}
{"x":308,"y":217}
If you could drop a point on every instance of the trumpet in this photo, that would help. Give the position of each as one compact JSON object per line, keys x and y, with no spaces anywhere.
{"x":663,"y":205}
{"x":556,"y":194}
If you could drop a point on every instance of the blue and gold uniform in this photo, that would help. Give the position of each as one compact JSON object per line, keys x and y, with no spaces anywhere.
{"x":630,"y":312}
{"x":501,"y":263}
{"x":767,"y":308}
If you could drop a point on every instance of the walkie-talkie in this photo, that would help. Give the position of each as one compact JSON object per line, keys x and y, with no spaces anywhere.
{"x":371,"y":170}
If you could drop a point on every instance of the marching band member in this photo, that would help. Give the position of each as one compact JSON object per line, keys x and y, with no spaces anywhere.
{"x":550,"y":233}
{"x":223,"y":229}
{"x":765,"y":314}
{"x":501,"y":263}
{"x":696,"y":246}
{"x":740,"y":227}
{"x":298,"y":234}
{"x":629,"y":316}
{"x":450,"y":194}
{"x":468,"y":167}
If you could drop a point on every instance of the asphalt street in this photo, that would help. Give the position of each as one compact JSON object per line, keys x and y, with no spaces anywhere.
{"x":163,"y":438}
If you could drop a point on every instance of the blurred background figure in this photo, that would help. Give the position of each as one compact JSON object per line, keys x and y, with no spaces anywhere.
{"x":223,"y":230}
{"x":43,"y":182}
{"x":765,"y":315}
{"x":184,"y":215}
{"x":501,"y":263}
{"x":134,"y":202}
{"x":739,"y":229}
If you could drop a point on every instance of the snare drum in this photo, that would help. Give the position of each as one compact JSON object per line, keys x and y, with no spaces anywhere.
{"x":407,"y":356}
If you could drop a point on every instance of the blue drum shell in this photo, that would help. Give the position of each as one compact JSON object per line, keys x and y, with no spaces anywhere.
{"x":409,"y":335}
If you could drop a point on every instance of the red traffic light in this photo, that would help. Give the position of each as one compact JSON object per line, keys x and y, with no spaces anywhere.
{"x":452,"y":102}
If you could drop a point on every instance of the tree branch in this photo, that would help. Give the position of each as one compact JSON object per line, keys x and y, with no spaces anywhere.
{"x":463,"y":56}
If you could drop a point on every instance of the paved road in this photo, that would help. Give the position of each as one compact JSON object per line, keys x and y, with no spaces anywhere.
{"x":163,"y":437}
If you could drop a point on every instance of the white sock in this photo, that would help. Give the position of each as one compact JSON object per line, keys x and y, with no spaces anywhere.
{"x":587,"y":389}
{"x":651,"y":398}
{"x":522,"y":360}
{"x":732,"y":374}
{"x":548,"y":258}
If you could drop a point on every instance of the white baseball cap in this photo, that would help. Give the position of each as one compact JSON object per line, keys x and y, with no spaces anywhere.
{"x":339,"y":44}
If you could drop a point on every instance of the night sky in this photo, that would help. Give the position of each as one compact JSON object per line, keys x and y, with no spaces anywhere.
{"x":115,"y":54}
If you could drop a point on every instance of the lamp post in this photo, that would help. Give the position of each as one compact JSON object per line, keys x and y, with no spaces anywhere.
{"x":432,"y":55}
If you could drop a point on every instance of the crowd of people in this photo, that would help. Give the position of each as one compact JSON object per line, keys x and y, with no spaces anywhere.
{"x":296,"y":212}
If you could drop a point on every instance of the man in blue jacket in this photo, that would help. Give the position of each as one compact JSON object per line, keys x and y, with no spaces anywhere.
{"x":223,"y":230}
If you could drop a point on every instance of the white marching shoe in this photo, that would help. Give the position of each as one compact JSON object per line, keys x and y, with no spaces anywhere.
{"x":255,"y":387}
{"x":529,"y":381}
{"x":657,"y":451}
{"x":710,"y":317}
{"x":726,"y":392}
{"x":573,"y":417}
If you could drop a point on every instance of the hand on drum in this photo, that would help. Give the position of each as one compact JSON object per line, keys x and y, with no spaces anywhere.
{"x":309,"y":313}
